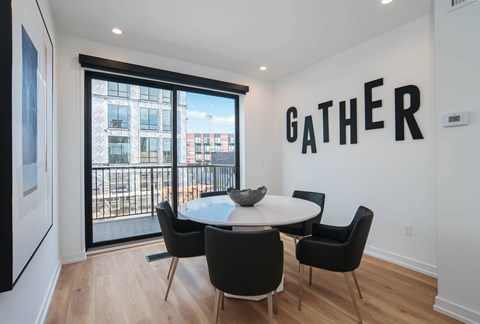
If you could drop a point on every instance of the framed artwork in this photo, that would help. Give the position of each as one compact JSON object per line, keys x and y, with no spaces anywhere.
{"x":26,"y":112}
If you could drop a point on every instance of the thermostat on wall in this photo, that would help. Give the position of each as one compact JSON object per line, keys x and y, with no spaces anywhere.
{"x":455,"y":119}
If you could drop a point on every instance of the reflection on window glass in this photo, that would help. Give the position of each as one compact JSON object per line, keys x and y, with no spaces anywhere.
{"x":167,"y":150}
{"x":148,"y":150}
{"x":150,"y":94}
{"x":166,"y":120}
{"x":117,"y":89}
{"x":148,"y":118}
{"x":118,"y":149}
{"x":117,"y":116}
{"x":166,"y":95}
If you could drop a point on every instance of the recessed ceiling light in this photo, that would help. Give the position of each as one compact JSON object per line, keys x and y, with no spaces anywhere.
{"x":386,"y":1}
{"x":117,"y":31}
{"x":263,"y":68}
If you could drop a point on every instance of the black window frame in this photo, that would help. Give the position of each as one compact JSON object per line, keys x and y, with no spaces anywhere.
{"x":234,"y":92}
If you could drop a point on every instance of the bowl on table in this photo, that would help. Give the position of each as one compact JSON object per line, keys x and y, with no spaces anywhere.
{"x":247,"y":197}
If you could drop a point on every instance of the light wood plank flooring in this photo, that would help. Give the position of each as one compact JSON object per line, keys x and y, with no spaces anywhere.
{"x":122,"y":287}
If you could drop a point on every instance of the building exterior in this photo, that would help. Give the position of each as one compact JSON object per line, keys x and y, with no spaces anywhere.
{"x":213,"y":148}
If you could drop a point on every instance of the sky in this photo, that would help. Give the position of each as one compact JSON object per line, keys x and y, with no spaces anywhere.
{"x":210,"y":114}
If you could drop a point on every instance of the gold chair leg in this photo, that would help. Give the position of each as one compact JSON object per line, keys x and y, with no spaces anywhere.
{"x":350,"y":290}
{"x":270,"y":308}
{"x":170,"y":269}
{"x":223,"y":300}
{"x":310,"y":277}
{"x":216,"y":305}
{"x":175,"y":262}
{"x":300,"y":286}
{"x":356,"y":284}
{"x":275,"y":305}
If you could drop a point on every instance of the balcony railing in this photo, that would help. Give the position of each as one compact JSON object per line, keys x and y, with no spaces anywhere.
{"x":135,"y":190}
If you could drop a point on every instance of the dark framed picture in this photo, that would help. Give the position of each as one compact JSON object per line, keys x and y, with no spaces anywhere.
{"x":26,"y":118}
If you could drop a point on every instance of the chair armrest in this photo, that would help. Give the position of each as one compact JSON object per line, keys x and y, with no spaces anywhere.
{"x":337,"y":233}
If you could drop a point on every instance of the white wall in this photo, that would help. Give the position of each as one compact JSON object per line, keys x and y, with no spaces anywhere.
{"x":457,"y":88}
{"x":257,"y":132}
{"x":28,"y":301}
{"x":396,"y":179}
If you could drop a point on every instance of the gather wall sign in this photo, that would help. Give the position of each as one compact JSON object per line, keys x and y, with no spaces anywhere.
{"x":403,"y":115}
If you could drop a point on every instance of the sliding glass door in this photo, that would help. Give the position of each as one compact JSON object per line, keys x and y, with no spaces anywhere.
{"x":146,"y":142}
{"x":206,"y":144}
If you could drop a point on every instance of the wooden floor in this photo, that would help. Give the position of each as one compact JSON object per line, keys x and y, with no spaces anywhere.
{"x":122,"y":287}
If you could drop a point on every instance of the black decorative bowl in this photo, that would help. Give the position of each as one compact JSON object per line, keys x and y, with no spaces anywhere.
{"x":247,"y":197}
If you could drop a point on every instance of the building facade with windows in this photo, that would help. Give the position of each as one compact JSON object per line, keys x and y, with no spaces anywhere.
{"x":211,"y":148}
{"x":132,"y":124}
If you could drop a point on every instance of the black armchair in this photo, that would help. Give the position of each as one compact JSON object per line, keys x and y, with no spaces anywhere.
{"x":183,"y":238}
{"x":302,"y":229}
{"x":212,"y":194}
{"x":336,"y":248}
{"x":246,"y":263}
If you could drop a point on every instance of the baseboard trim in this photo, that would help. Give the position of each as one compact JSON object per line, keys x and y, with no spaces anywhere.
{"x":72,"y":258}
{"x":49,"y":295}
{"x":418,"y":266}
{"x":456,"y":311}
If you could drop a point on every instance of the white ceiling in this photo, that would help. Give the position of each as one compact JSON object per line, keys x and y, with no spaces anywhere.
{"x":238,"y":36}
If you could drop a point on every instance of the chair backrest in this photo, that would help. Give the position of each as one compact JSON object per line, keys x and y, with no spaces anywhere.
{"x":244,"y":263}
{"x":315,"y":197}
{"x":359,"y":229}
{"x":167,"y":221}
{"x":212,"y":193}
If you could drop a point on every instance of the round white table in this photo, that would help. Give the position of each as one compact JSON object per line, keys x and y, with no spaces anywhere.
{"x":270,"y":211}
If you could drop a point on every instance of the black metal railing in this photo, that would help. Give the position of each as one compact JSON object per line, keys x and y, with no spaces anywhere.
{"x":135,"y":190}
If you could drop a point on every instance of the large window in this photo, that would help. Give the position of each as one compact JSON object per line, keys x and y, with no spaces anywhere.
{"x":148,"y":150}
{"x":117,"y":89}
{"x":140,"y":141}
{"x":118,"y":149}
{"x":150,"y":94}
{"x":117,"y":116}
{"x":148,"y":118}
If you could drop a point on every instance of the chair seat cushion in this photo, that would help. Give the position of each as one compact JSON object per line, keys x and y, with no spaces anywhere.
{"x":309,"y":251}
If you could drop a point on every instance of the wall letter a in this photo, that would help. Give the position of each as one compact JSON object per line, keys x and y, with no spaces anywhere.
{"x":308,"y":136}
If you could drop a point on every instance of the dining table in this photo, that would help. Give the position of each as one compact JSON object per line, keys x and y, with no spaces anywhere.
{"x":272,"y":210}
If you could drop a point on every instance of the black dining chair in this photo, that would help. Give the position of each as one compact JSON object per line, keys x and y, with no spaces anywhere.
{"x":302,"y":229}
{"x":336,"y":248}
{"x":245,"y":263}
{"x":212,"y":194}
{"x":183,"y":238}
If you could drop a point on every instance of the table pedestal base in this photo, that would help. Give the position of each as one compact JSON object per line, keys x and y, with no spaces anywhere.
{"x":256,"y":298}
